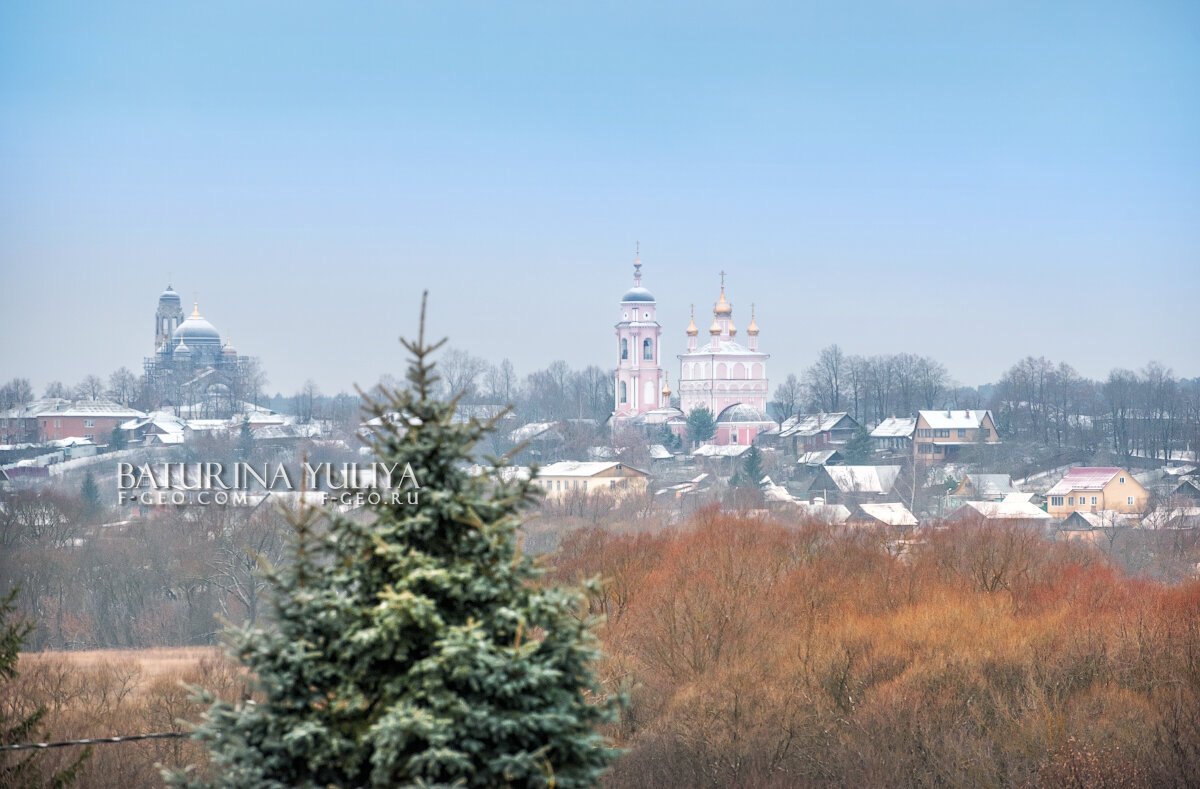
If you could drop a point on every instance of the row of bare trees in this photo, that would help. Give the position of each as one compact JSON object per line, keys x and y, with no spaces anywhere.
{"x":1148,"y":412}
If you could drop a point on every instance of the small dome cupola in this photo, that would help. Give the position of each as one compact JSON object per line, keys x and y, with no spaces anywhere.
{"x":723,"y":309}
{"x":637,"y":292}
{"x":752,"y":329}
{"x":692,"y":331}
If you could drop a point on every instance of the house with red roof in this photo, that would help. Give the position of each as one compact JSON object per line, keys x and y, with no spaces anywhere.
{"x":1096,"y":489}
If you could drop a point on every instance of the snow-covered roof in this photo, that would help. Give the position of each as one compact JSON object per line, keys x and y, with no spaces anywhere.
{"x":530,"y":431}
{"x":1179,"y":471}
{"x":895,"y":427}
{"x":891,"y":514}
{"x":715,"y":451}
{"x":659,"y":452}
{"x":957,"y":418}
{"x":163,"y":420}
{"x":990,"y":484}
{"x":742,"y":413}
{"x":1084,"y":478}
{"x":92,"y":408}
{"x":863,"y":479}
{"x":1173,"y":518}
{"x":1098,"y":519}
{"x":1009,"y":508}
{"x":815,"y":458}
{"x":583,"y":468}
{"x":32,"y":409}
{"x":810,"y":424}
{"x":724,"y":347}
{"x":833,"y":514}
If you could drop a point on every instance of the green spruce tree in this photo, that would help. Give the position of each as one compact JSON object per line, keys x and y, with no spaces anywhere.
{"x":859,"y":448}
{"x":17,"y":769}
{"x":90,"y":493}
{"x":701,"y":426}
{"x":752,"y":468}
{"x":417,"y":649}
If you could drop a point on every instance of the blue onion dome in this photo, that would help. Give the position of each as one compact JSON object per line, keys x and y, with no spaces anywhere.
{"x":182,"y":350}
{"x":638,"y":294}
{"x":169,"y":295}
{"x":197,"y":331}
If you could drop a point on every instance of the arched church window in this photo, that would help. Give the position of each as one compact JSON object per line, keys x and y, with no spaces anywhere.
{"x":624,"y":397}
{"x":624,"y":350}
{"x":648,"y":350}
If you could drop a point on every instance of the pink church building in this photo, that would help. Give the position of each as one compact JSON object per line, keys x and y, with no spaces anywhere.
{"x":726,"y":377}
{"x":640,"y":384}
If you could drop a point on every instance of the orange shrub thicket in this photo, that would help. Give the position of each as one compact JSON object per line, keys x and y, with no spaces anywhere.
{"x":765,"y":654}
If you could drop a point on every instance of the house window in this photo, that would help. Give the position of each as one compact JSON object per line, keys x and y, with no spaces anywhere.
{"x":938,"y":449}
{"x":624,"y":349}
{"x":1129,"y":501}
{"x":941,"y":433}
{"x":648,"y":350}
{"x":733,"y":436}
{"x":962,"y":433}
{"x":1122,"y":480}
{"x":925,"y":448}
{"x":89,"y":436}
{"x":1070,"y":501}
{"x":92,"y":423}
{"x":624,"y":398}
{"x":1093,"y":501}
{"x":1056,"y":501}
{"x":924,"y":433}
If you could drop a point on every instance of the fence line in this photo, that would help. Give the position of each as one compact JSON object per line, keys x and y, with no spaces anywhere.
{"x":33,"y":746}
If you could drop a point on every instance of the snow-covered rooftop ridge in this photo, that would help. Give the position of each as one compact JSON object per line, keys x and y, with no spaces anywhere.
{"x":863,"y":479}
{"x":895,"y":427}
{"x":1084,"y":478}
{"x":91,"y":408}
{"x":1009,"y":508}
{"x":581,"y":468}
{"x":954,"y":418}
{"x":892,"y":514}
{"x":810,"y":424}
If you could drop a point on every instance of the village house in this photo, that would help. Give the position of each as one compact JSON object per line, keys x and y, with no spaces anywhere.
{"x":94,"y":420}
{"x":814,"y":432}
{"x":894,"y":435}
{"x":1092,"y":489}
{"x":941,"y":435}
{"x":588,"y":477}
{"x":852,"y":485}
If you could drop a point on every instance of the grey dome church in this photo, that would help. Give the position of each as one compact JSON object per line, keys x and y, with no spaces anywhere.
{"x":191,"y":371}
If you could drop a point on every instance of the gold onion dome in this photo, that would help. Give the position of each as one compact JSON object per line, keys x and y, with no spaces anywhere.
{"x":666,"y":386}
{"x":723,"y":307}
{"x":692,"y":331}
{"x":732,"y":328}
{"x":753,"y":327}
{"x":715,"y":329}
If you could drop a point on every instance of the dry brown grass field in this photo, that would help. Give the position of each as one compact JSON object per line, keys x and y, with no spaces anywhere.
{"x":108,"y":693}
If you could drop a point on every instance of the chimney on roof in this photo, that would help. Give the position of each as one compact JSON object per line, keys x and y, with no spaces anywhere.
{"x":967,"y":414}
{"x":948,"y":414}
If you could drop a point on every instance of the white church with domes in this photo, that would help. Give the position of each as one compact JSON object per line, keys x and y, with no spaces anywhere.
{"x":722,"y":375}
{"x":191,"y":369}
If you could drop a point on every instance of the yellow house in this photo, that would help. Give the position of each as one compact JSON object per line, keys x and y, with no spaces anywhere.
{"x":942,"y":434}
{"x":559,"y":479}
{"x":1093,"y":489}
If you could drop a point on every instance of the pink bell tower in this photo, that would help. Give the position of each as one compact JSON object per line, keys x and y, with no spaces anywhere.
{"x":639,"y":379}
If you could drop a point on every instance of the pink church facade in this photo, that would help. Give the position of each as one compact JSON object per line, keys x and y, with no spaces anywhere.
{"x":639,"y":378}
{"x":726,"y":377}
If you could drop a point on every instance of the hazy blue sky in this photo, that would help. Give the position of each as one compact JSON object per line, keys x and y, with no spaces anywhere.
{"x":973,"y":180}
